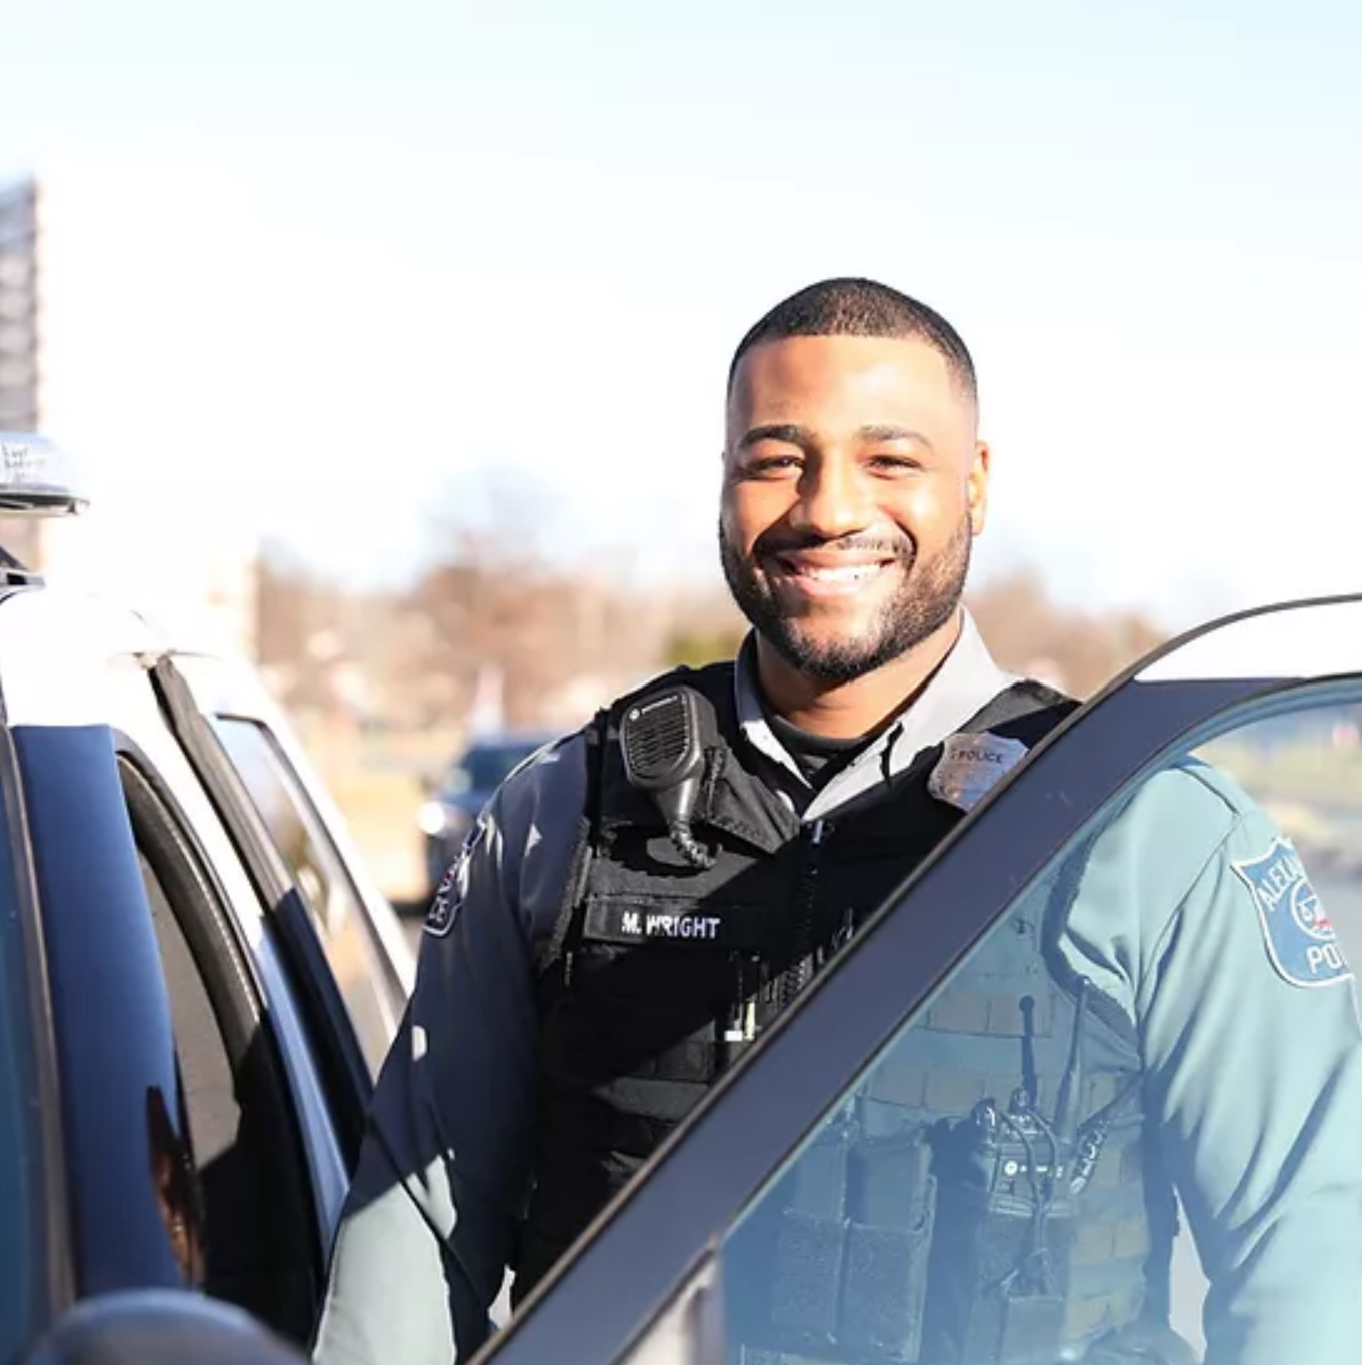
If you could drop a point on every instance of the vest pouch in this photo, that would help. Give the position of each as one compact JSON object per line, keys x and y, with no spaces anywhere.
{"x":893,"y":1214}
{"x":1000,"y":1258}
{"x":811,"y":1244}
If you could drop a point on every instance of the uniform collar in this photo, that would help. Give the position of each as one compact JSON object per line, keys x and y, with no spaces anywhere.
{"x":966,"y":681}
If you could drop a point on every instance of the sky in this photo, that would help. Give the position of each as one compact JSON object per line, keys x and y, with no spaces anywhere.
{"x":340,"y":275}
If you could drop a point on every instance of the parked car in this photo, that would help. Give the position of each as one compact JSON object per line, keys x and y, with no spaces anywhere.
{"x":199,"y":981}
{"x":659,"y":1279}
{"x":460,"y":793}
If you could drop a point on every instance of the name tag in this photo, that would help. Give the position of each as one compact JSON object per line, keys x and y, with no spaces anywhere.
{"x":727,"y":926}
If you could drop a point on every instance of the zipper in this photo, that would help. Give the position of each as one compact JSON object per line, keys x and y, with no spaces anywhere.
{"x":797,"y":974}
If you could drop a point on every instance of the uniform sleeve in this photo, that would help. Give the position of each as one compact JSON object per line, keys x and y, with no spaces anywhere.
{"x":1253,"y":1049}
{"x":429,"y":1225}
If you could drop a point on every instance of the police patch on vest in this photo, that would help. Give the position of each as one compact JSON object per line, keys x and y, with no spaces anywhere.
{"x":970,"y":765}
{"x":1301,"y":941}
{"x":452,"y":888}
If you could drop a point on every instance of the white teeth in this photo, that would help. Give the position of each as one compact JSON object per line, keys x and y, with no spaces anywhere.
{"x":849,"y":574}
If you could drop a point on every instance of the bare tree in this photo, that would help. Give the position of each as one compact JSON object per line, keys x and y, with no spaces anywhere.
{"x":295,"y":607}
{"x":1030,"y":633}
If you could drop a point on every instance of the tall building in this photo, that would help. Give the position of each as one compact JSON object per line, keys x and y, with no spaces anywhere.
{"x":19,"y":341}
{"x":19,"y":307}
{"x":178,"y":563}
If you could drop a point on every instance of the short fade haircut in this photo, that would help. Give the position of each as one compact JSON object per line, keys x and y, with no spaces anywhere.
{"x":852,"y":307}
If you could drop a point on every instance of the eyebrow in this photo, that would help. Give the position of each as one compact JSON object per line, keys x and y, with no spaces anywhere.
{"x":894,"y":433}
{"x":777,"y":431}
{"x":805,"y":439}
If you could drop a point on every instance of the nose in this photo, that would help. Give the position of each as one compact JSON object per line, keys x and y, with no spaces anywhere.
{"x":833,"y":499}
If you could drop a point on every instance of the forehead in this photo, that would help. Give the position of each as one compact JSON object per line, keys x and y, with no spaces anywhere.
{"x":852,"y":380}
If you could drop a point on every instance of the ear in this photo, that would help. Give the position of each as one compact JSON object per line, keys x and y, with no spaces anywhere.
{"x":976,"y":487}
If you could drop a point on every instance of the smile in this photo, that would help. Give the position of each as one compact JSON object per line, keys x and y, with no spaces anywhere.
{"x":826,"y":580}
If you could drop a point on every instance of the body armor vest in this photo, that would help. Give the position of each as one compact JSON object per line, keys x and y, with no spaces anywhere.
{"x":924,"y":1224}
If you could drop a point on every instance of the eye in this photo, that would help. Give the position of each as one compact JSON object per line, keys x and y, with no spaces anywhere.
{"x":770,"y":466}
{"x":890,"y":463}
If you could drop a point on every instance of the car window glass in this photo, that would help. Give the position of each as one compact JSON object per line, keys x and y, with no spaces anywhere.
{"x":988,"y":1189}
{"x":1305,"y":770}
{"x":319,"y":873}
{"x":212,"y":1116}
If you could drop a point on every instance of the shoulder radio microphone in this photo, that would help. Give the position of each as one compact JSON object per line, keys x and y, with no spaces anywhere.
{"x":660,"y":743}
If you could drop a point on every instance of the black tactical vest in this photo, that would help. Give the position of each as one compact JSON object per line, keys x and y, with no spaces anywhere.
{"x":914,"y":1230}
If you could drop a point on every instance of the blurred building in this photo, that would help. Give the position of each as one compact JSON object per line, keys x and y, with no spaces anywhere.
{"x":173,"y":557}
{"x":20,"y":407}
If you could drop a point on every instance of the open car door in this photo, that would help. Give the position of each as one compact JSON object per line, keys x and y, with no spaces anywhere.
{"x":1270,"y":700}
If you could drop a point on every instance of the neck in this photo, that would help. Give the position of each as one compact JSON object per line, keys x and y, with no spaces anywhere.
{"x":860,"y":707}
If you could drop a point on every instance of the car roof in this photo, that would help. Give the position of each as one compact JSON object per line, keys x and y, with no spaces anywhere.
{"x":54,"y":639}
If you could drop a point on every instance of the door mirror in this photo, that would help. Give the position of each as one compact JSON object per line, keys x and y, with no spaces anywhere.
{"x":160,"y":1327}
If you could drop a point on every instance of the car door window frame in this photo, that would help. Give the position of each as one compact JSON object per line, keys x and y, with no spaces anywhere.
{"x":51,"y":1272}
{"x":336,"y":1050}
{"x":109,"y":1013}
{"x":384,"y":986}
{"x":237,"y":997}
{"x":593,"y":1305}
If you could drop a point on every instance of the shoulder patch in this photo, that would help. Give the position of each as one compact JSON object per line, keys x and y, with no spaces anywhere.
{"x":453,"y":887}
{"x":970,"y":765}
{"x":1301,"y":941}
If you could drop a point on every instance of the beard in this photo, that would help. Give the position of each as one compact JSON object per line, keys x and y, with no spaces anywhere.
{"x":930,"y":592}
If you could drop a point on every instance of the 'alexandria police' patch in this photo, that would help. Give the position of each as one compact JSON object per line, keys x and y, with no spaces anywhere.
{"x":452,"y":888}
{"x":1301,"y":940}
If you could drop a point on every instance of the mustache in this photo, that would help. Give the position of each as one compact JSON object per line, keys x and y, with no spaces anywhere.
{"x":791,"y":542}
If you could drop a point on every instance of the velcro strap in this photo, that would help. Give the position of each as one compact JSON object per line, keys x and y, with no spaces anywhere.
{"x":885,"y":1288}
{"x":807,"y":1289}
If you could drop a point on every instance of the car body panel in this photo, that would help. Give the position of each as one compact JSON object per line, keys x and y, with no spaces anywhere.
{"x":227,"y":687}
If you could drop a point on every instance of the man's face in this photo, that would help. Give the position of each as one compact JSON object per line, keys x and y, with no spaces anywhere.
{"x":853,"y":488}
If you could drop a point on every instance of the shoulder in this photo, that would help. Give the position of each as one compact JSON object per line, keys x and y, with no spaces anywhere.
{"x":1199,"y":815}
{"x":1185,"y":823}
{"x":551,"y":783}
{"x":713,"y":681}
{"x":547,"y":786}
{"x":542,"y":800}
{"x":521,"y":840}
{"x":1241,"y":882}
{"x":1190,"y":806}
{"x":1178,"y":827}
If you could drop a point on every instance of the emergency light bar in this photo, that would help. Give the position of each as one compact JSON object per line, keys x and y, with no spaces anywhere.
{"x":37,"y":479}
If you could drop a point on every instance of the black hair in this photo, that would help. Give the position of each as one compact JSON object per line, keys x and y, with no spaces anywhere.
{"x":861,"y":308}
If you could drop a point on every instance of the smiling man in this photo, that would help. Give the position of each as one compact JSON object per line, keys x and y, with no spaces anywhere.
{"x":640,"y":900}
{"x":854,"y":485}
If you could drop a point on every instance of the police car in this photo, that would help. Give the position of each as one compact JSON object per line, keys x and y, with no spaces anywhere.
{"x":1271,"y":697}
{"x":199,"y":982}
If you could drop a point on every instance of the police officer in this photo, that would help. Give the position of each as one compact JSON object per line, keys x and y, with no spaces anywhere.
{"x":641,"y":898}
